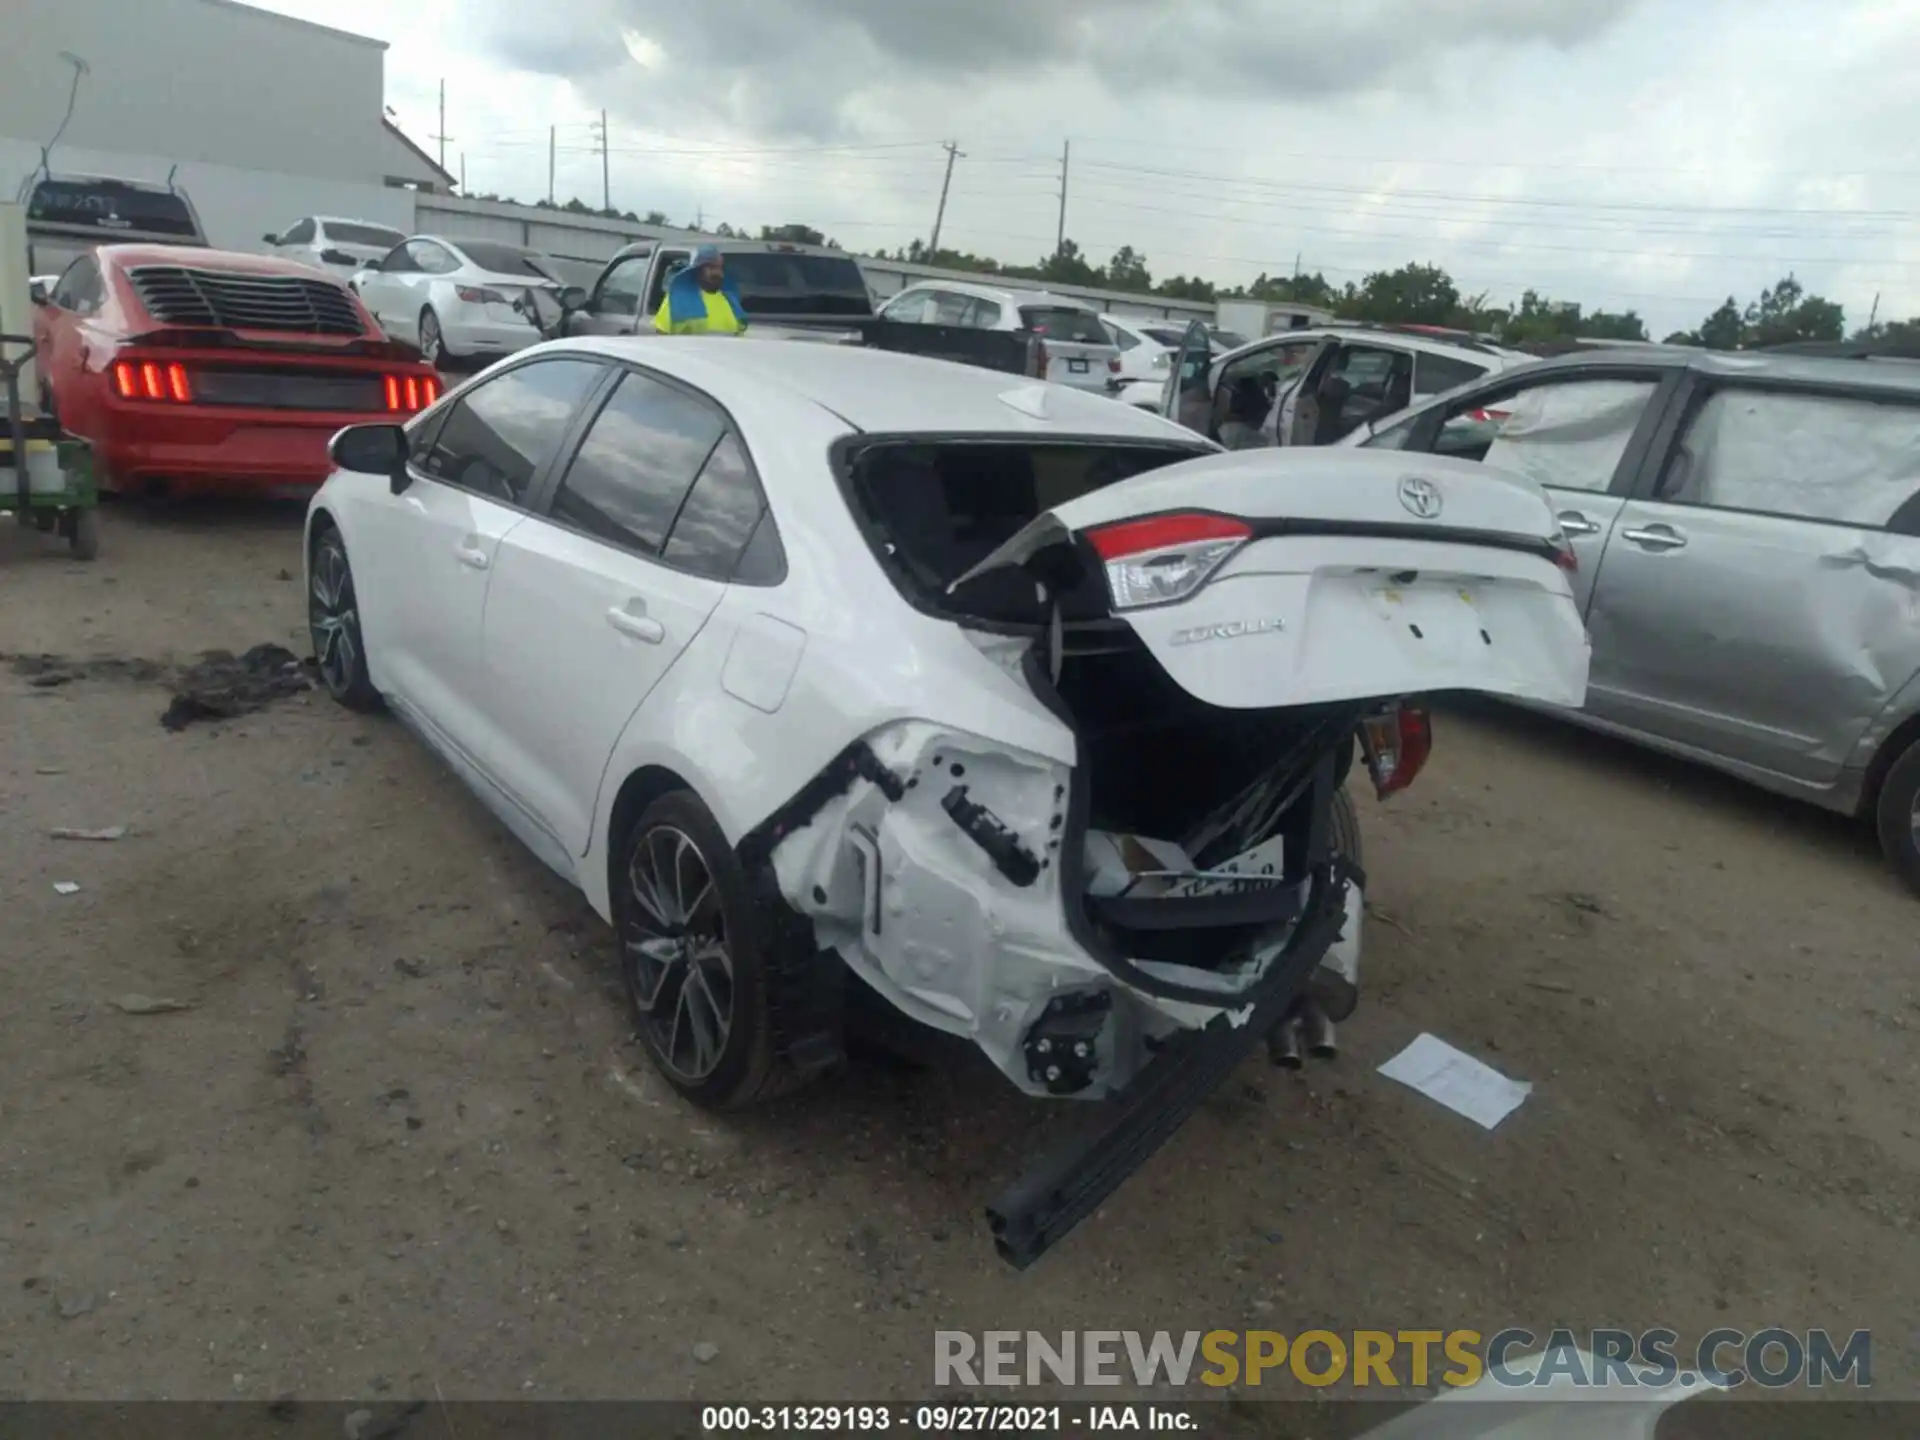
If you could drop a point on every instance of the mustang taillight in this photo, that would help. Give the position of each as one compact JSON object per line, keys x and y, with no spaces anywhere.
{"x":408,"y":393}
{"x":152,"y":380}
{"x":1163,"y":558}
{"x":479,"y":295}
{"x":1396,"y":745}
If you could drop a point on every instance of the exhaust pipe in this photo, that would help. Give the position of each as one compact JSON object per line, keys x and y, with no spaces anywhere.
{"x":1284,"y":1043}
{"x":1318,"y":1030}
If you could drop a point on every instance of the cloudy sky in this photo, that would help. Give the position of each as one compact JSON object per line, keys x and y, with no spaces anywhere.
{"x":1654,"y":155}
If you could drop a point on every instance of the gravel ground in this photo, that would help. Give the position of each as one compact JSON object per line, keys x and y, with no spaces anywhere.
{"x":396,"y":1141}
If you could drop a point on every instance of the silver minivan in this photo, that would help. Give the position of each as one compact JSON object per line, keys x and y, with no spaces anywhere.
{"x":1747,"y":528}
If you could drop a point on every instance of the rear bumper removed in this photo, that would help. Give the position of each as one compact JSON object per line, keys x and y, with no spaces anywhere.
{"x":1054,"y":1195}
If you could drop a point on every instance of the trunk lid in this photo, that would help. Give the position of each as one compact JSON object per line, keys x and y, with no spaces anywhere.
{"x":1267,"y":578}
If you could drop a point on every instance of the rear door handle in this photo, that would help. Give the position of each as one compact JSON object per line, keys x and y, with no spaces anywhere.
{"x":638,"y":626}
{"x":1655,"y":537}
{"x":1574,"y":523}
{"x":471,"y":557}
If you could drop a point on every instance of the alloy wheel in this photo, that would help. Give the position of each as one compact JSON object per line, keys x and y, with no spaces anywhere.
{"x":334,"y":617}
{"x":675,"y":946}
{"x":430,"y":340}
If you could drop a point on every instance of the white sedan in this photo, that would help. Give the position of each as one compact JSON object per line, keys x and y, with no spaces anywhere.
{"x":458,"y":301}
{"x":1023,"y":709}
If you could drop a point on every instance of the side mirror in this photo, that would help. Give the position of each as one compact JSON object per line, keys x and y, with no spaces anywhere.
{"x":271,"y":238}
{"x":573,"y":297}
{"x":37,"y":291}
{"x":336,"y":257}
{"x":373,"y":450}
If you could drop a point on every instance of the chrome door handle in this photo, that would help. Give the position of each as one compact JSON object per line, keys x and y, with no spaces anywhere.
{"x":1574,"y":523}
{"x":638,"y":626}
{"x":1655,"y":537}
{"x":468,"y":556}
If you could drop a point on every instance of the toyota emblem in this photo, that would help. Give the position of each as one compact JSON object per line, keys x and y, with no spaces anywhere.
{"x":1421,"y":497}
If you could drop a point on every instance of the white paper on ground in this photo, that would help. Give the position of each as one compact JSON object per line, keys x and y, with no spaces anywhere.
{"x":1456,"y":1080}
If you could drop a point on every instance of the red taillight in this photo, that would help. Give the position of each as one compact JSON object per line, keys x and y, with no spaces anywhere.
{"x":152,"y":380}
{"x":405,"y":394}
{"x":1160,"y":532}
{"x":1487,"y":417}
{"x":1396,"y":746}
{"x":1040,"y":359}
{"x":1164,"y":558}
{"x":476,"y":295}
{"x":1564,"y":556}
{"x":1113,"y":363}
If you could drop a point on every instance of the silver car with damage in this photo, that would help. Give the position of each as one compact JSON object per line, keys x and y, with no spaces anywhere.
{"x":1748,"y":534}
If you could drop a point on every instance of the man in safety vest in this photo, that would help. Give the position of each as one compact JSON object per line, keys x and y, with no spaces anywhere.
{"x":701,"y":300}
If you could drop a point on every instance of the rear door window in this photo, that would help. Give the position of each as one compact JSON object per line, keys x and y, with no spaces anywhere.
{"x":348,"y":233}
{"x":1838,"y":459}
{"x":502,"y":260}
{"x":299,"y":234}
{"x":950,"y":308}
{"x":633,"y":470}
{"x":1064,"y":323}
{"x":502,"y":433}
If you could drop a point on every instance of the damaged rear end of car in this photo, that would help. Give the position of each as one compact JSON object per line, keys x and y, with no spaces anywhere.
{"x":1208,"y":642}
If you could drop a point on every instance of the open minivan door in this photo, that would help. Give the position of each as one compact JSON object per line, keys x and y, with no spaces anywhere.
{"x":1188,"y":393}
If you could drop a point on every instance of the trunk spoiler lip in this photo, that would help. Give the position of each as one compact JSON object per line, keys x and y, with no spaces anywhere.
{"x":1048,"y":529}
{"x":186,"y":337}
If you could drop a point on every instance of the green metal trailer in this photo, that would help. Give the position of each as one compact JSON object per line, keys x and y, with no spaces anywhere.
{"x":52,"y":484}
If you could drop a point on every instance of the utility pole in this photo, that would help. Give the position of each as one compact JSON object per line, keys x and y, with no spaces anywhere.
{"x":442,"y":137}
{"x":550,"y":133}
{"x":954,"y":152}
{"x":606,"y":183}
{"x":463,"y":172}
{"x":1874,"y":314}
{"x":1060,"y":237}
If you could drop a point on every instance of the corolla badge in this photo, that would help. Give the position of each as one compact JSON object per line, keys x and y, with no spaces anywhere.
{"x":1420,"y":497}
{"x":1230,"y":630}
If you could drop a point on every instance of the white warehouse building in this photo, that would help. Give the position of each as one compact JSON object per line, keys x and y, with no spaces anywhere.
{"x":257,"y":117}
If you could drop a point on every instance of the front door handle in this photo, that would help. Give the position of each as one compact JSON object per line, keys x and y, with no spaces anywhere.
{"x":1655,"y":537}
{"x":1574,"y":523}
{"x":471,"y":557}
{"x":637,"y":625}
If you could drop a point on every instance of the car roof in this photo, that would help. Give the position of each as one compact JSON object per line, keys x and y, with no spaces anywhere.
{"x":1489,"y":358}
{"x":1842,"y":371}
{"x":349,"y":220}
{"x":200,"y":257}
{"x":883,"y":392}
{"x":1010,"y":293}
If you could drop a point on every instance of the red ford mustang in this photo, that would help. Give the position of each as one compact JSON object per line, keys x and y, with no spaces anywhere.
{"x":203,"y":370}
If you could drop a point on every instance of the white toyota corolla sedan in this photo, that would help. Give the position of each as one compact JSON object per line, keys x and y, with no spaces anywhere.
{"x":815,"y":666}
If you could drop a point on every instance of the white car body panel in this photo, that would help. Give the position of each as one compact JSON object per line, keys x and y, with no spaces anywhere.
{"x":492,"y":633}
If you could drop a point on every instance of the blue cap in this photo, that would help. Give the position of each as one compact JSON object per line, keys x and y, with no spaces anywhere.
{"x":706,"y":255}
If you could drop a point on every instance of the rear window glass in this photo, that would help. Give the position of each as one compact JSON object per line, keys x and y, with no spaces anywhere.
{"x":362,"y":234}
{"x":501,"y":259}
{"x":1065,"y":324}
{"x":1168,"y":337}
{"x":935,"y":509}
{"x":111,"y":207}
{"x":772,"y":282}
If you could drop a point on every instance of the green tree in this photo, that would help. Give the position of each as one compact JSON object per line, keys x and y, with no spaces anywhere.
{"x":1604,"y":325}
{"x":797,"y":235}
{"x":1412,"y":295}
{"x":656,"y":217}
{"x":1786,"y":313}
{"x":1127,"y":270}
{"x":1180,"y":287}
{"x":1067,"y":266}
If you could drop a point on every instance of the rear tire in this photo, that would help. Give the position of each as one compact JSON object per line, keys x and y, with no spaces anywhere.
{"x":694,"y":958}
{"x":83,"y":533}
{"x":433,"y":341}
{"x":1897,"y":816}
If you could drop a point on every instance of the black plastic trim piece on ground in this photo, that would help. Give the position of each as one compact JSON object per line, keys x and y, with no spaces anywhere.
{"x":1039,"y":1208}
